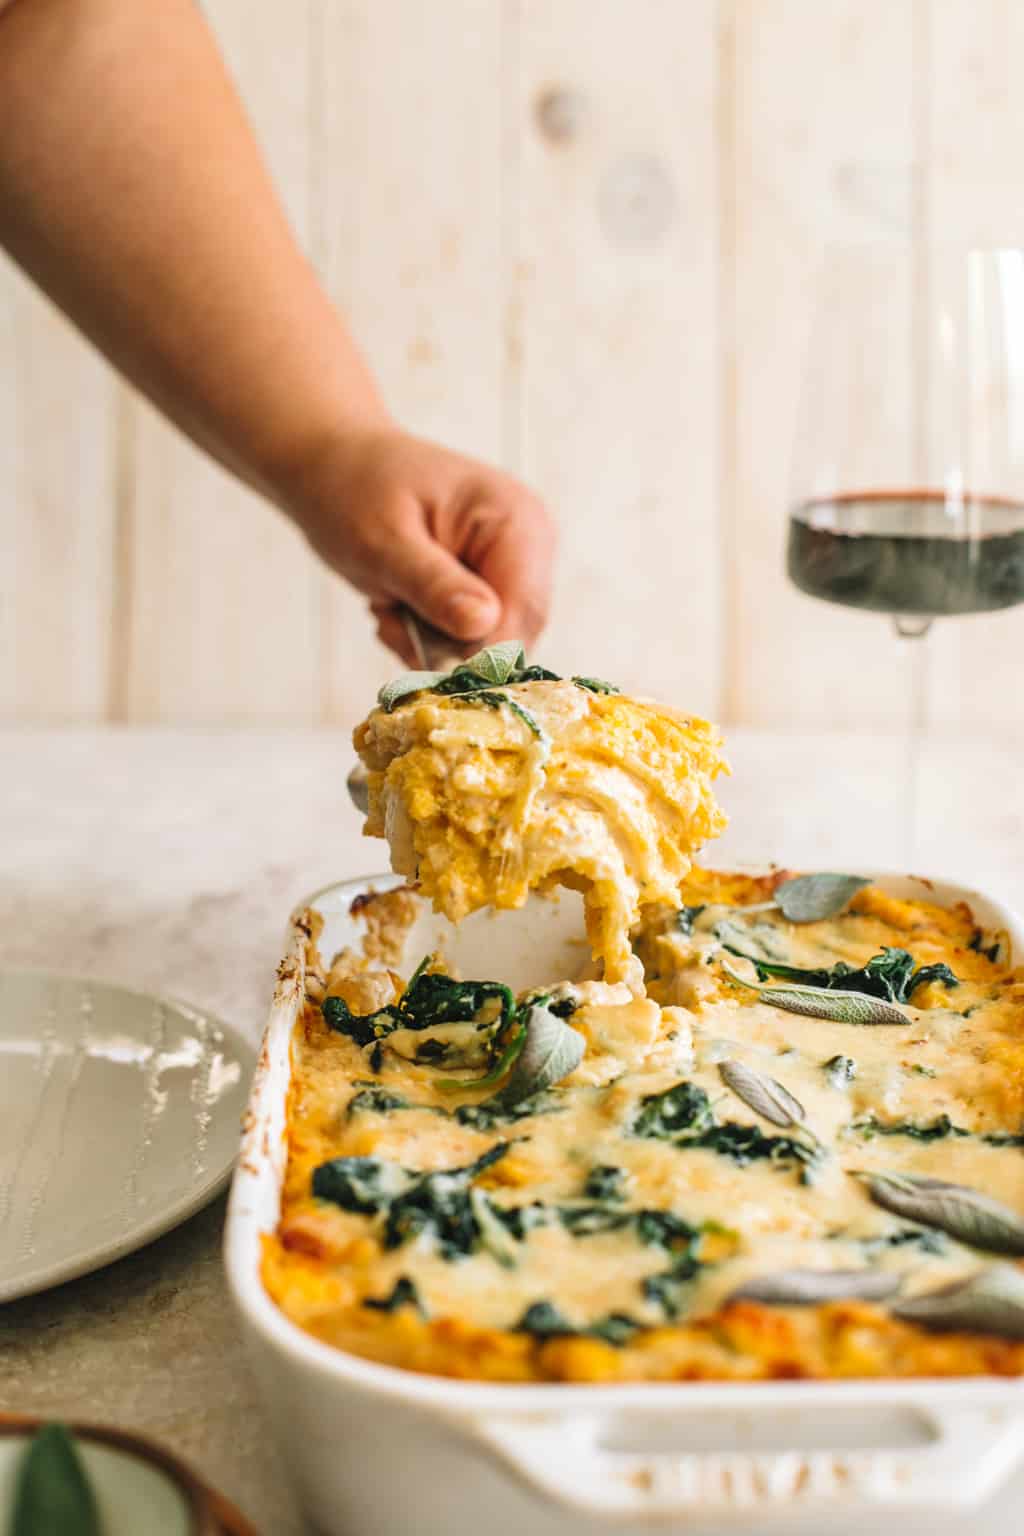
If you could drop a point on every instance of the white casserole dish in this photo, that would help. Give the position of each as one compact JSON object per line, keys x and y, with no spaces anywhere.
{"x":385,"y":1452}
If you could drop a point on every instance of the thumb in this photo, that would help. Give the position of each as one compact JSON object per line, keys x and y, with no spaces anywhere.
{"x":423,"y":574}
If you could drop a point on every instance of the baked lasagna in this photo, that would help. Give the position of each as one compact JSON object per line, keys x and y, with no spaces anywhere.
{"x":771,"y":1127}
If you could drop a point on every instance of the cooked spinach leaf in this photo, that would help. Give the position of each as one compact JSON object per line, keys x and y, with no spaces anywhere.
{"x":378,"y":1101}
{"x":491,"y":1113}
{"x":922,"y":1238}
{"x":605,"y":1182}
{"x":544,"y":1321}
{"x":595,"y":685}
{"x":430,"y":999}
{"x":931,"y":1130}
{"x":683,"y":1115}
{"x":687,"y":916}
{"x":586,"y":1220}
{"x":840,"y":1070}
{"x":684,"y":1108}
{"x":917,"y":1130}
{"x":977,"y":943}
{"x":438,"y":1204}
{"x":404,"y":1294}
{"x":432,"y":1051}
{"x":362,"y":1184}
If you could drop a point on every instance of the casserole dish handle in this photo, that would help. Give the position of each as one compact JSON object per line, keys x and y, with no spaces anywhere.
{"x":967,"y":1453}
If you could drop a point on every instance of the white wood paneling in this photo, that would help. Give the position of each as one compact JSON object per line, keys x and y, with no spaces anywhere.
{"x":410,"y":244}
{"x":823,"y":151}
{"x":57,"y":476}
{"x":224,"y":593}
{"x":614,"y":358}
{"x":975,"y":126}
{"x":575,"y":236}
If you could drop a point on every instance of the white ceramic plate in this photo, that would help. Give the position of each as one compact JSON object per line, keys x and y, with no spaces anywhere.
{"x":119,"y":1117}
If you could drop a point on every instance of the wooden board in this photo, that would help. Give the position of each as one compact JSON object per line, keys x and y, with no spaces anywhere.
{"x":58,"y":461}
{"x":614,"y":388}
{"x":410,"y":245}
{"x":223,"y":591}
{"x":975,"y":121}
{"x":823,"y":149}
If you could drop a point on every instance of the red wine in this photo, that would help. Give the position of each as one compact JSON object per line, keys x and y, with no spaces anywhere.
{"x":902,"y":553}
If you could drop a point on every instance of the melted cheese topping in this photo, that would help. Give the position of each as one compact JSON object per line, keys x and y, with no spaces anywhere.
{"x":960,"y":1054}
{"x":613,"y":800}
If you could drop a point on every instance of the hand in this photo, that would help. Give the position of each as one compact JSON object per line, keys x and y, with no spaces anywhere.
{"x":405,"y":521}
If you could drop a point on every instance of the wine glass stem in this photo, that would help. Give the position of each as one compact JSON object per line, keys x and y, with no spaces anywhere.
{"x":916,"y":649}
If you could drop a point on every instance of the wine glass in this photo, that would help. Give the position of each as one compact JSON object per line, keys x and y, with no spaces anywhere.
{"x":907,"y":494}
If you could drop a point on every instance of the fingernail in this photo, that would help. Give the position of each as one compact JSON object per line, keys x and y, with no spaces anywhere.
{"x":473,"y":614}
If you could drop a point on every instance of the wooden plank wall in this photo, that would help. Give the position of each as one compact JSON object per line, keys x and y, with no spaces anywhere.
{"x":577,"y":237}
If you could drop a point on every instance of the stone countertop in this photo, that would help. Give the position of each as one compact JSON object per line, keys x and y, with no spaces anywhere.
{"x":169,"y":860}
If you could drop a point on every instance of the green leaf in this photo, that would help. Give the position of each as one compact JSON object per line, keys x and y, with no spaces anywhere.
{"x":365,"y":1185}
{"x":377,"y":1101}
{"x":503,"y":1064}
{"x":812,"y":898}
{"x":528,"y":720}
{"x":890,"y":975}
{"x":686,"y":917}
{"x":989,"y":1301}
{"x":496,"y":664}
{"x":823,"y":1003}
{"x":404,"y":1294}
{"x":684,"y":1109}
{"x":840,"y":1070}
{"x":552,"y":1049}
{"x":964,"y":1213}
{"x":403,"y":687}
{"x":809,"y":1287}
{"x":53,"y":1496}
{"x":762,"y":1094}
{"x":595,"y":685}
{"x":605,"y":1182}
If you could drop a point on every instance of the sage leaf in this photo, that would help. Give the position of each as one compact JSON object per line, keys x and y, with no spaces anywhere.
{"x":762,"y":1094}
{"x":53,"y":1496}
{"x":551,"y":1050}
{"x":402,"y":687}
{"x":496,"y":663}
{"x":808,"y":1287}
{"x":819,"y":1003}
{"x":812,"y":898}
{"x":989,"y":1301}
{"x":964,"y":1213}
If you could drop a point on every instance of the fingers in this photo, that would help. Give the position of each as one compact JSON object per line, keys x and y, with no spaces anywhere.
{"x":422,"y":573}
{"x":512,"y":546}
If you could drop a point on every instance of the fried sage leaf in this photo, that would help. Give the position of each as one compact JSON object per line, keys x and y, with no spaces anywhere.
{"x":812,"y":898}
{"x":808,"y":1287}
{"x":551,"y":1050}
{"x":402,"y":687}
{"x":989,"y":1301}
{"x":496,"y":664}
{"x":819,"y":1003}
{"x":964,"y":1213}
{"x":762,"y":1094}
